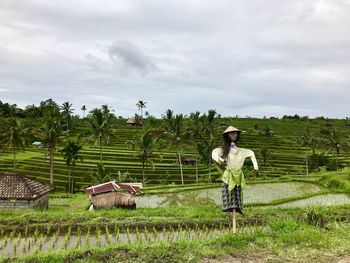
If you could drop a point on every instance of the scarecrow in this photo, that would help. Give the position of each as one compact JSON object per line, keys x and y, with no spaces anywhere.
{"x":232,"y":158}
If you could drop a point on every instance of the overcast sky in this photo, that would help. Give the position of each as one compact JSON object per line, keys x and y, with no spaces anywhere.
{"x":247,"y":58}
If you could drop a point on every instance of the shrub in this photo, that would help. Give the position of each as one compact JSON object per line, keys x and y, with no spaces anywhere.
{"x":317,"y":160}
{"x":314,"y":217}
{"x":332,"y":165}
{"x":285,"y":225}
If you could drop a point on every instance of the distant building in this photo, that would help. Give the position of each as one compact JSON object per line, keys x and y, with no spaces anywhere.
{"x":133,"y":122}
{"x":112,"y":194}
{"x":38,"y":144}
{"x":18,"y":191}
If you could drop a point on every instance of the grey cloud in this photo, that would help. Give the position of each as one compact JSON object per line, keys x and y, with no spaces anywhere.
{"x":239,"y":57}
{"x":128,"y":56}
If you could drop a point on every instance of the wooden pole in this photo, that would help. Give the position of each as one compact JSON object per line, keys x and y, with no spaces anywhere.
{"x":234,"y":229}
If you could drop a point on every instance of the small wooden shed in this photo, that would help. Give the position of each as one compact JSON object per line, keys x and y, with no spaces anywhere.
{"x":112,"y":194}
{"x":18,"y":191}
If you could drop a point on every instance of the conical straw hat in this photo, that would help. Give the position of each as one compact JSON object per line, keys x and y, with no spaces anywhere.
{"x":231,"y":129}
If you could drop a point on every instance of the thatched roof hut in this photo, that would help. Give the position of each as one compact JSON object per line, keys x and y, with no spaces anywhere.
{"x":19,"y":191}
{"x":133,"y":122}
{"x":112,"y":194}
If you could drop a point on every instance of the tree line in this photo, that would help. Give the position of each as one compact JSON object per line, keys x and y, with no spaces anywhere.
{"x":52,"y":125}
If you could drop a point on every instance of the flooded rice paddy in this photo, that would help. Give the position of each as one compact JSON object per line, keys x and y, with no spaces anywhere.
{"x":255,"y":193}
{"x":19,"y":246}
{"x":319,"y":200}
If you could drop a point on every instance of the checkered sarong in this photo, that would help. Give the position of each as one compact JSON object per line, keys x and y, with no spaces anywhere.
{"x":231,"y":201}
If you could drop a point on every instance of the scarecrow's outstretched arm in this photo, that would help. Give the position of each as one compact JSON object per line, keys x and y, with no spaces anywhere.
{"x":216,"y":155}
{"x":252,"y":157}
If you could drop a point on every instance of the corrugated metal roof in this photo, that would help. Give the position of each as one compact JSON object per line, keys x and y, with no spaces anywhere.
{"x":17,"y":186}
{"x":113,"y":186}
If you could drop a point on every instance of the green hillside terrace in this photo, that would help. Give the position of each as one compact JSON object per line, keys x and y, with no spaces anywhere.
{"x":286,"y":154}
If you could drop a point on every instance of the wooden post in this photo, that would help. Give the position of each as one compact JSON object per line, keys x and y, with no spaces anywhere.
{"x":234,"y":229}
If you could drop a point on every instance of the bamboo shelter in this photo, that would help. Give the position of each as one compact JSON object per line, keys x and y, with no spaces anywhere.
{"x":112,"y":194}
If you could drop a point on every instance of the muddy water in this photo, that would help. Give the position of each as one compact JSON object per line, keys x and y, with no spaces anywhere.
{"x":258,"y":193}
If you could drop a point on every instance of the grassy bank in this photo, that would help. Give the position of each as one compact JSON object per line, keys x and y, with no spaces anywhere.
{"x":283,"y":241}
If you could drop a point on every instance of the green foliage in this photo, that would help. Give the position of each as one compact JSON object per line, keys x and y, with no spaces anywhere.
{"x":14,"y":137}
{"x":141,"y":105}
{"x":265,"y":154}
{"x":100,"y":126}
{"x":334,"y":165}
{"x":317,"y":160}
{"x":123,"y":177}
{"x":288,"y":155}
{"x":284,"y":225}
{"x":339,"y":180}
{"x":337,"y":141}
{"x":66,"y":115}
{"x":100,"y":175}
{"x":314,"y":217}
{"x":49,"y":134}
{"x":144,"y":145}
{"x":265,"y":130}
{"x":174,"y":134}
{"x":71,"y":153}
{"x":8,"y":110}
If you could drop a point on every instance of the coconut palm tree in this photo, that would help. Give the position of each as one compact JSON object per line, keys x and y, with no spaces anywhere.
{"x":206,"y":145}
{"x":71,"y":153}
{"x":83,"y":108}
{"x":141,"y":105}
{"x":144,"y":145}
{"x":308,"y":140}
{"x":15,"y":137}
{"x":100,"y":124}
{"x":195,"y":131}
{"x":100,"y":175}
{"x":67,"y":111}
{"x":175,"y":133}
{"x":49,"y":134}
{"x":265,"y":154}
{"x":337,"y":141}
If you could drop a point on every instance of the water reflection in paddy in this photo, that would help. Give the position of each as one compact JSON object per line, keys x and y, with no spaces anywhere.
{"x":255,"y":193}
{"x":319,"y":200}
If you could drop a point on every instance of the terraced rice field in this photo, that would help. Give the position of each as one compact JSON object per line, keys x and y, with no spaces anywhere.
{"x":286,"y":155}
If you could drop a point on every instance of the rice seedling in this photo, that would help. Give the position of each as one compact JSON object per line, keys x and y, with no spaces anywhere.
{"x":117,"y":234}
{"x":48,"y":230}
{"x":87,"y":237}
{"x":26,"y":230}
{"x":128,"y":234}
{"x":99,"y":237}
{"x":79,"y":240}
{"x":54,"y":239}
{"x":108,"y":235}
{"x":15,"y":243}
{"x":67,"y":238}
{"x":137,"y":233}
